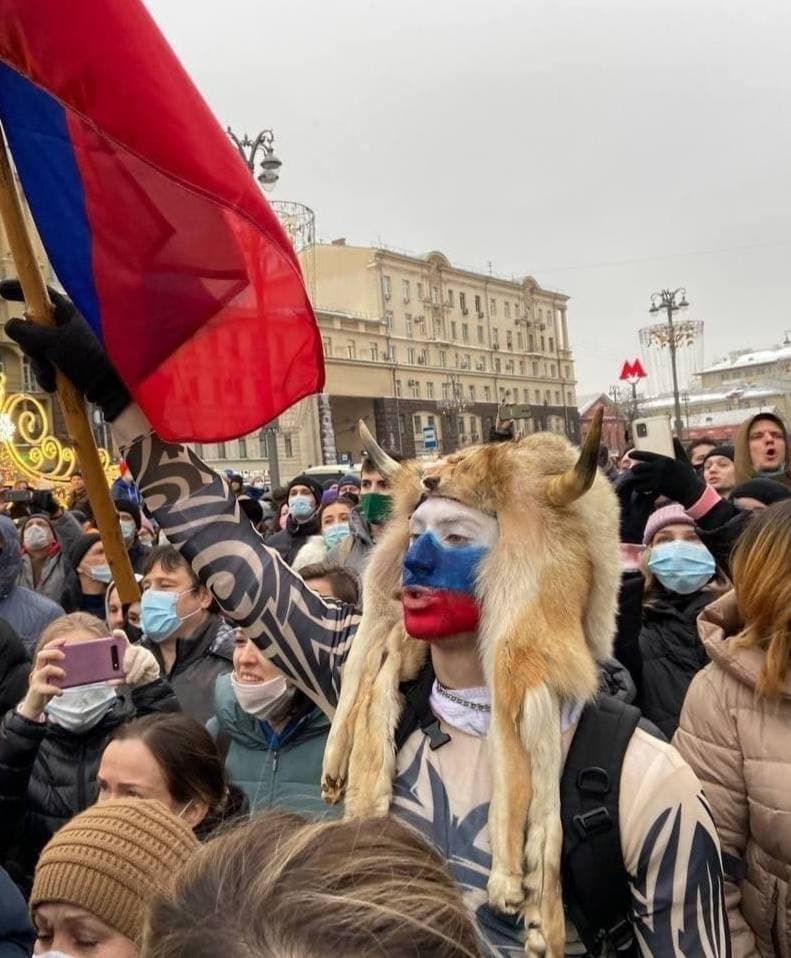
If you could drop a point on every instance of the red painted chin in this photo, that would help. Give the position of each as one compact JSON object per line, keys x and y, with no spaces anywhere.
{"x":431,"y":614}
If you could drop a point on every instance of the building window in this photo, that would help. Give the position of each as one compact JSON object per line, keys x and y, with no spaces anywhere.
{"x":548,"y":395}
{"x":414,"y":388}
{"x":456,"y":359}
{"x":521,"y":367}
{"x":446,"y":390}
{"x":418,"y":420}
{"x":566,"y":373}
{"x":471,"y":392}
{"x":495,"y":336}
{"x":493,"y":307}
{"x":386,"y":290}
{"x":443,"y":358}
{"x":405,"y":292}
{"x":327,"y":345}
{"x":420,"y":326}
{"x":463,"y":303}
{"x":435,"y":295}
{"x":423,"y":358}
{"x":462,"y":426}
{"x":243,"y":448}
{"x":487,"y":393}
{"x":557,"y":397}
{"x":535,"y":369}
{"x":531,"y":343}
{"x":551,"y":345}
{"x":389,"y":320}
{"x":288,"y":447}
{"x":538,"y":395}
{"x":509,"y":339}
{"x":546,"y":372}
{"x":520,"y":340}
{"x":420,"y":291}
{"x":465,"y":333}
{"x":398,"y":388}
{"x":374,"y":351}
{"x":29,"y":384}
{"x":543,"y":344}
{"x":454,"y":334}
{"x":429,"y":390}
{"x":480,"y":335}
{"x":408,"y":324}
{"x":410,"y":355}
{"x":221,"y":451}
{"x":552,"y":370}
{"x":393,"y":354}
{"x":450,"y":297}
{"x":507,"y":309}
{"x":478,"y":309}
{"x":497,"y":364}
{"x":526,"y":395}
{"x":351,"y":348}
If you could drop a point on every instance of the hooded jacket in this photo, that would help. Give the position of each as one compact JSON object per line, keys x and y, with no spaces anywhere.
{"x":289,"y":541}
{"x":671,"y":653}
{"x":14,"y":668}
{"x":27,"y":612}
{"x":48,"y":774}
{"x":742,"y":459}
{"x":200,"y":659}
{"x":738,"y":743}
{"x":274,"y":771}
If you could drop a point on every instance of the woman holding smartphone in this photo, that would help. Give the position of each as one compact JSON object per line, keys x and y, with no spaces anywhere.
{"x":50,"y":745}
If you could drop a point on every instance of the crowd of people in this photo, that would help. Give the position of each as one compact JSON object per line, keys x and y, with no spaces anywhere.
{"x":180,"y":811}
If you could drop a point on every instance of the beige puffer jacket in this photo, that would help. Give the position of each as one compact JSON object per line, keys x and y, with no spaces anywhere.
{"x":739,"y":744}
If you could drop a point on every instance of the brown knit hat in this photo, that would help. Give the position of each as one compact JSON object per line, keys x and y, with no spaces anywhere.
{"x":111,"y":859}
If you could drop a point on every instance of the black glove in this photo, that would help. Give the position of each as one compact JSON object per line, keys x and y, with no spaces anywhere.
{"x":69,"y":346}
{"x":636,"y":507}
{"x":663,"y":476}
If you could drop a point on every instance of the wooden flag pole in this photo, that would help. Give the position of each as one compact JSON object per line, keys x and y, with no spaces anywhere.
{"x":39,"y":310}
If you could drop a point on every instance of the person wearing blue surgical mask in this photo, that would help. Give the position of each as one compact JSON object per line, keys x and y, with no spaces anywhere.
{"x":93,"y":575}
{"x":191,"y":643}
{"x":681,"y":578}
{"x":302,"y":521}
{"x":335,"y":517}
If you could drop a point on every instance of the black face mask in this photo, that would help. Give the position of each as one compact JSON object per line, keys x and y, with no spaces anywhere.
{"x":133,"y":632}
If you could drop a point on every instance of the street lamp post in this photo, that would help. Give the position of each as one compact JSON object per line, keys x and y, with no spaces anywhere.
{"x":270,"y":165}
{"x":671,"y":301}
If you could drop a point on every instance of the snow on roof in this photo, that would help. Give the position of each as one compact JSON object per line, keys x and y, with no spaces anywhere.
{"x":734,"y":393}
{"x":757,"y":357}
{"x":728,"y":417}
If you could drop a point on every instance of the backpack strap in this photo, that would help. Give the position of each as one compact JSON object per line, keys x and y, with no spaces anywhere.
{"x":417,"y":711}
{"x":595,"y":881}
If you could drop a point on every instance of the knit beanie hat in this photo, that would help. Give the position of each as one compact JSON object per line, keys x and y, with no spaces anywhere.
{"x":766,"y":491}
{"x":124,"y":504}
{"x":725,"y":450}
{"x":112,"y":859}
{"x":313,"y":484}
{"x":349,"y":480}
{"x":80,"y":546}
{"x":671,"y":515}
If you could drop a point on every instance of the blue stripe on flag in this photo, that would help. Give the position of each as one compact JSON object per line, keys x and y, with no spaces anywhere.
{"x":36,"y":129}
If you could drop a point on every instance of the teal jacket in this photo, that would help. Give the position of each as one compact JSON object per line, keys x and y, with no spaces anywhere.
{"x":274,"y":771}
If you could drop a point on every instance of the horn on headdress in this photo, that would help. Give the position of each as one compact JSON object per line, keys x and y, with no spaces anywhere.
{"x":386,"y":466}
{"x":564,"y":489}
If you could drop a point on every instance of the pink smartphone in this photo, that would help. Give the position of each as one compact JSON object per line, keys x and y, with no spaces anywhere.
{"x":97,"y":660}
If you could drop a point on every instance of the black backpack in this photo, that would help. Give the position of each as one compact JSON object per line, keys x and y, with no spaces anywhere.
{"x":596,"y":891}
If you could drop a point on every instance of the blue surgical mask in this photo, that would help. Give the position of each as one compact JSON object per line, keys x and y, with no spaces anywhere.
{"x":682,"y":567}
{"x":101,"y":573}
{"x":335,"y":534}
{"x":158,"y":615}
{"x":301,"y":507}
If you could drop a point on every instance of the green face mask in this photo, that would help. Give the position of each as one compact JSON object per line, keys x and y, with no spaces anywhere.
{"x":375,"y":507}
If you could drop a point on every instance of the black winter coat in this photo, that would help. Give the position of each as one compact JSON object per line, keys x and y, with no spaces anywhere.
{"x":672,"y":654}
{"x":14,"y":668}
{"x":16,"y":932}
{"x":48,"y":774}
{"x":290,"y":540}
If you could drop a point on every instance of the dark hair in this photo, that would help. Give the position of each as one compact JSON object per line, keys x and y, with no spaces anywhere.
{"x":702,"y":441}
{"x":170,"y":559}
{"x":280,"y":885}
{"x":343,"y":500}
{"x":344,"y":582}
{"x":368,"y":464}
{"x":190,"y":763}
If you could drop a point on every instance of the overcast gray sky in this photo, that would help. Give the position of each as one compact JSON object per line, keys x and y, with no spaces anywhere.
{"x":608,"y":149}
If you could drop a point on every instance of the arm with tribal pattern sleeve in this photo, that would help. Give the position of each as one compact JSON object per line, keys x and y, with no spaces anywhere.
{"x":672,"y":855}
{"x":304,"y":636}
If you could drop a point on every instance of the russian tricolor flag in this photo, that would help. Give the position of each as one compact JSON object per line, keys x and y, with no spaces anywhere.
{"x":152,"y":221}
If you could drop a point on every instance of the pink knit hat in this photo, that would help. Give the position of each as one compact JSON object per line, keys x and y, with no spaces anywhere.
{"x":671,"y":515}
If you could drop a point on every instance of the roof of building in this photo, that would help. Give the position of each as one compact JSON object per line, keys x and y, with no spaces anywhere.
{"x":758,"y":357}
{"x":728,"y":417}
{"x":737,"y":393}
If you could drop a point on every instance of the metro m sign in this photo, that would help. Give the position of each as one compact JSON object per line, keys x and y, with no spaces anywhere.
{"x":633,"y":372}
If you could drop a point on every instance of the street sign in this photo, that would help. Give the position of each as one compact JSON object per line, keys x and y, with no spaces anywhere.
{"x":633,"y":372}
{"x":429,"y":437}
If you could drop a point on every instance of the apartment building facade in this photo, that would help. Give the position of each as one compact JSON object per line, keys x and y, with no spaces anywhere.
{"x":424,"y":351}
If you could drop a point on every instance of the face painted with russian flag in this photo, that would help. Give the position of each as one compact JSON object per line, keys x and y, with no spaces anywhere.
{"x":448,"y":541}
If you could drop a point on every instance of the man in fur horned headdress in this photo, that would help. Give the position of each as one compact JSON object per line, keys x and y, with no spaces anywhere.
{"x":489,"y":605}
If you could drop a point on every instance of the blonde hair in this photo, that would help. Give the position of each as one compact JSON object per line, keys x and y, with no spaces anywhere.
{"x":760,"y":567}
{"x":281,"y":886}
{"x":73,"y":622}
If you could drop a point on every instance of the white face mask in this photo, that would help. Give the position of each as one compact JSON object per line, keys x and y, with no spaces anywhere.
{"x":81,"y":707}
{"x":128,"y":531}
{"x":263,"y":699}
{"x":36,"y":537}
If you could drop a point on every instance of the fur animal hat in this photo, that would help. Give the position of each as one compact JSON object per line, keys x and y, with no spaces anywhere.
{"x":548,"y":592}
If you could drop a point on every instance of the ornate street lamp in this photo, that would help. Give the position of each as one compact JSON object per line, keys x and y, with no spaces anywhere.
{"x":270,"y":162}
{"x":671,"y":301}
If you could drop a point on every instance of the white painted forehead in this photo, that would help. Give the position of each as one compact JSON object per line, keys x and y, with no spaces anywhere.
{"x":437,"y":514}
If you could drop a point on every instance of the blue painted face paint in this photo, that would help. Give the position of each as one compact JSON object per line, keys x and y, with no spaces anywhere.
{"x":431,"y":564}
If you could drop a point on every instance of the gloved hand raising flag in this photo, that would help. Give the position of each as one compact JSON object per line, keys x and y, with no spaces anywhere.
{"x":152,"y":221}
